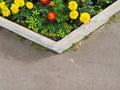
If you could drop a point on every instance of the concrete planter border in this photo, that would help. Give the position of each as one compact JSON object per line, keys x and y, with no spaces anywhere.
{"x":67,"y":41}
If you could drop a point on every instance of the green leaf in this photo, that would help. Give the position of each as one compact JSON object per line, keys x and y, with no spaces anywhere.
{"x":0,"y":11}
{"x":1,"y":0}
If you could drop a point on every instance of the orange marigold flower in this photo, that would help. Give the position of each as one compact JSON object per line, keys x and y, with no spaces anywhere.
{"x":51,"y":16}
{"x":52,"y":3}
{"x":44,"y":2}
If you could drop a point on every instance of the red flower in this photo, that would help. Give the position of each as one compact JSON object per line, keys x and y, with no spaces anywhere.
{"x":51,"y":16}
{"x":44,"y":2}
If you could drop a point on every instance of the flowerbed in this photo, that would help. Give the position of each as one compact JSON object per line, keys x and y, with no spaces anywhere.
{"x":52,"y":18}
{"x":60,"y":24}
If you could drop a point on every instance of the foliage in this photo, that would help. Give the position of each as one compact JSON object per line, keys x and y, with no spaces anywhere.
{"x":52,"y":18}
{"x":99,"y":5}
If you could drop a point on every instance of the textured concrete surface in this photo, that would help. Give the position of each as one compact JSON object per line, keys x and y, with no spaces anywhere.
{"x":94,"y":66}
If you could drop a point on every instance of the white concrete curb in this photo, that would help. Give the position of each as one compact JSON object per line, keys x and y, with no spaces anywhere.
{"x":73,"y":37}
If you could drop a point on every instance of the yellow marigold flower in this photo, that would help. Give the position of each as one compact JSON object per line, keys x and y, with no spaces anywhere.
{"x":2,"y":4}
{"x":20,"y":3}
{"x":72,"y":5}
{"x":74,"y":14}
{"x":5,"y":12}
{"x":14,"y":8}
{"x":29,"y":5}
{"x":82,"y":1}
{"x":85,"y":17}
{"x":52,"y":3}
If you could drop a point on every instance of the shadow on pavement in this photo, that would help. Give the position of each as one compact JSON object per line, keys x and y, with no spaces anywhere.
{"x":10,"y":46}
